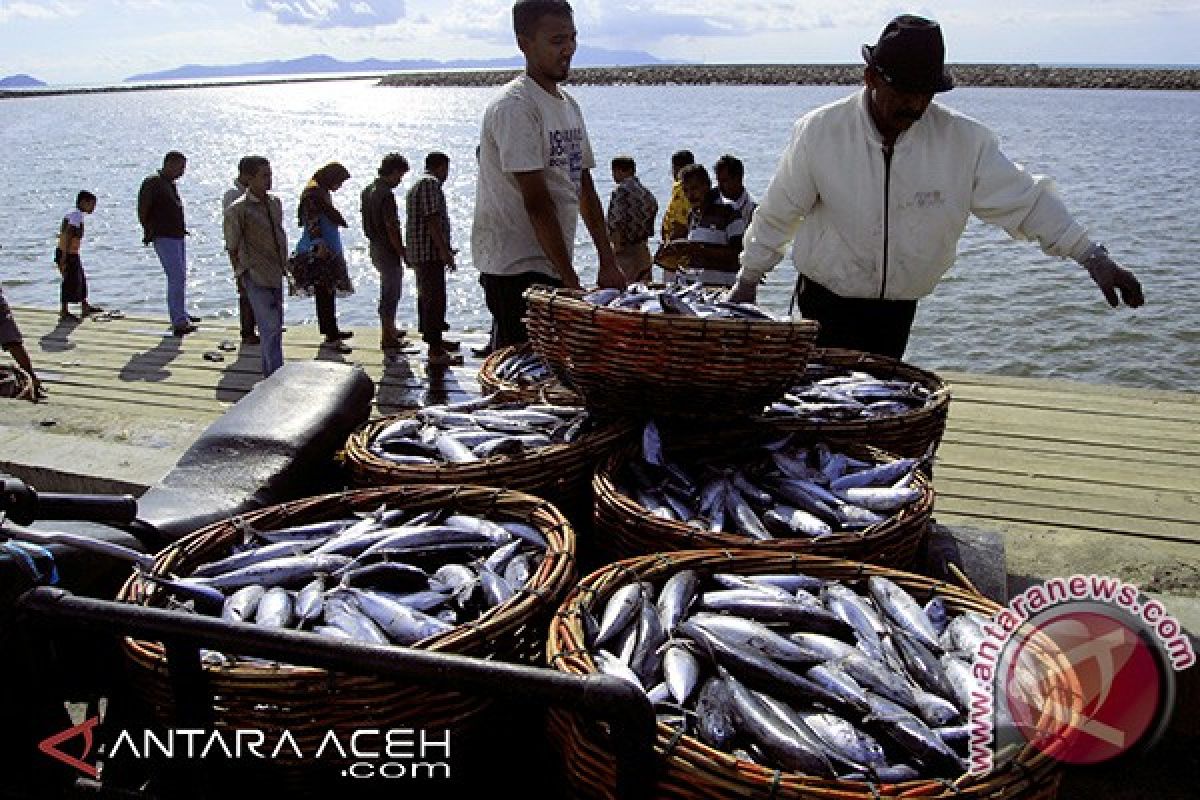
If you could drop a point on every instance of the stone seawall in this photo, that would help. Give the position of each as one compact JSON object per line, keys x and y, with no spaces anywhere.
{"x":1022,"y":75}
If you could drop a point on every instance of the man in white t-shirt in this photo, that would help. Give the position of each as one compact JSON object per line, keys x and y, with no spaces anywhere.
{"x":535,"y":180}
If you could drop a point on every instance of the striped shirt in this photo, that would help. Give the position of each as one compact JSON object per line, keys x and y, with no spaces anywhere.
{"x":715,"y":223}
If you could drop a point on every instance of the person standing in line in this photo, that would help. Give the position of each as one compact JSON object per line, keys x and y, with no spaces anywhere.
{"x":245,"y":310}
{"x":68,"y":260}
{"x":160,"y":210}
{"x":14,"y":345}
{"x":631,"y":213}
{"x":381,"y":224}
{"x":535,"y":178}
{"x":675,"y":218}
{"x":258,"y":251}
{"x":430,"y":256}
{"x":322,"y":224}
{"x":730,"y":174}
{"x":874,"y":192}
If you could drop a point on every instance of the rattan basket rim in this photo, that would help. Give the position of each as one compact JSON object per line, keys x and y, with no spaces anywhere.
{"x":570,"y":300}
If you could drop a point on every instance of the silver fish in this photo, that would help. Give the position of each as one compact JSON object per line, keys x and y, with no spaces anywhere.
{"x":609,"y":664}
{"x":682,"y":671}
{"x":241,"y":605}
{"x":290,"y":571}
{"x":403,"y":625}
{"x":902,"y":610}
{"x":275,"y":609}
{"x":677,"y":596}
{"x":623,"y":607}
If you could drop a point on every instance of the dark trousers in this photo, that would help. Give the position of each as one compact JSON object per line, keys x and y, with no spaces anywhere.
{"x":431,"y":300}
{"x":505,"y":296}
{"x":869,"y":325}
{"x":326,"y":310}
{"x":74,"y":281}
{"x":245,"y":311}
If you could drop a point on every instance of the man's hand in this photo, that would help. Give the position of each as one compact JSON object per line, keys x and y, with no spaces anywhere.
{"x":610,"y":275}
{"x":1114,"y":279}
{"x":744,"y":292}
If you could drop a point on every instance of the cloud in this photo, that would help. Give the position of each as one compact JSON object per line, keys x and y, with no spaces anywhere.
{"x":331,"y":13}
{"x":36,"y":11}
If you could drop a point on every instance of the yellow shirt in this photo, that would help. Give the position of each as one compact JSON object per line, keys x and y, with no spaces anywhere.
{"x":677,"y":212}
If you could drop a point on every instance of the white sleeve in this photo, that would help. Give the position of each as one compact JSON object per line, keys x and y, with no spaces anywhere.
{"x":790,"y":196}
{"x":1026,"y":206}
{"x":517,"y":129}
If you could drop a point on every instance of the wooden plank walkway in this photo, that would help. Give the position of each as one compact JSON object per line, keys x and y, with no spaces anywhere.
{"x":1076,"y":476}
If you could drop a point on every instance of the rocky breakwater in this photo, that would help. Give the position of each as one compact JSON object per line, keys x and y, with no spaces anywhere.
{"x":1013,"y":75}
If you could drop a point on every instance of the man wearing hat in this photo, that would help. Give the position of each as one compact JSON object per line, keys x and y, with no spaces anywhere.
{"x":875,"y":191}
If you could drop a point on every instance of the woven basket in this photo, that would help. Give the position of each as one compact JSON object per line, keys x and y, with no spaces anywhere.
{"x":560,"y":473}
{"x":911,"y":434}
{"x":549,"y":390}
{"x":688,"y":769}
{"x":309,"y":701}
{"x":666,"y":365}
{"x":624,"y":529}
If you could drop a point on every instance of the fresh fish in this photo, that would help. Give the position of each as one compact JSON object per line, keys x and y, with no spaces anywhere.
{"x":839,"y":684}
{"x":495,"y":589}
{"x":881,"y":475}
{"x":255,"y":556}
{"x":310,"y":602}
{"x":923,"y":665}
{"x":652,"y":445}
{"x":935,"y":711}
{"x":647,"y":656}
{"x":276,"y":609}
{"x":772,"y":732}
{"x":403,"y":625}
{"x":682,"y":671}
{"x":344,"y":614}
{"x":903,"y":611}
{"x":738,"y":632}
{"x":241,"y":605}
{"x":715,"y":714}
{"x":915,"y":737}
{"x":939,"y":615}
{"x":961,"y":678}
{"x":788,"y":521}
{"x":963,"y":635}
{"x":387,"y":576}
{"x":763,"y":608}
{"x":676,"y":598}
{"x":609,"y":664}
{"x":207,"y":599}
{"x":884,"y":499}
{"x":623,"y":607}
{"x":855,"y":612}
{"x":846,"y":742}
{"x":526,"y":533}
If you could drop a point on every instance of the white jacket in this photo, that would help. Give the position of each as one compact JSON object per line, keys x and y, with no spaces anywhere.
{"x":828,"y":193}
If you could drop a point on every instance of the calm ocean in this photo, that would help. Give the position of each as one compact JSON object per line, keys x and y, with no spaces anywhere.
{"x":1127,"y":162}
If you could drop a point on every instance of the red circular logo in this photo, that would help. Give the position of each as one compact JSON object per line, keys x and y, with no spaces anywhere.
{"x":1083,"y":686}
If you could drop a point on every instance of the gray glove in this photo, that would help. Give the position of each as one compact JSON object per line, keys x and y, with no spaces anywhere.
{"x":1112,"y":278}
{"x":744,"y":293}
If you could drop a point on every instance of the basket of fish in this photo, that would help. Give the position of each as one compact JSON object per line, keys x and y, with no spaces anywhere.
{"x":672,"y":352}
{"x":519,"y":370}
{"x":512,"y":442}
{"x":785,"y":677}
{"x":465,"y":570}
{"x":850,"y":397}
{"x":781,"y":494}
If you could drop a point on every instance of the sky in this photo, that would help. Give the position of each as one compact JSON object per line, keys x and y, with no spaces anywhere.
{"x":105,"y":41}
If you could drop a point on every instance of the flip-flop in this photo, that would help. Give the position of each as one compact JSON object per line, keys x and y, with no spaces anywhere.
{"x":213,"y":356}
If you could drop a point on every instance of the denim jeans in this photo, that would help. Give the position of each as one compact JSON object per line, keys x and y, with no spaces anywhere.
{"x":267,"y":302}
{"x":391,"y":283}
{"x":172,"y":254}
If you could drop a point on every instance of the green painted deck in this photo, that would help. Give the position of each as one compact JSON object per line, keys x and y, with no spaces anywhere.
{"x":1078,"y":477}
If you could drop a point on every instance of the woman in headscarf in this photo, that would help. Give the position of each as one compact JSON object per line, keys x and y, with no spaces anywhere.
{"x":322,"y":224}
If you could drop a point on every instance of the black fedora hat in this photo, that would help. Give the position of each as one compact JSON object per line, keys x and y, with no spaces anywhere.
{"x":911,"y":56}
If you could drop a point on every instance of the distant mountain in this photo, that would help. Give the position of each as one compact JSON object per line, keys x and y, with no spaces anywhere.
{"x":309,"y":65}
{"x":20,"y":82}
